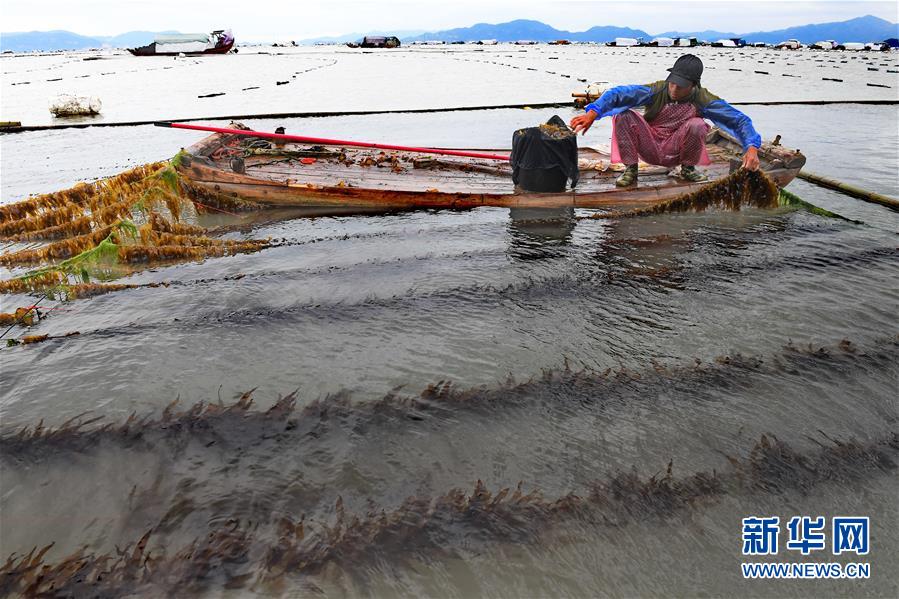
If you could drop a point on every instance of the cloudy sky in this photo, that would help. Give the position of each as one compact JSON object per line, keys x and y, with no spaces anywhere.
{"x":298,"y":19}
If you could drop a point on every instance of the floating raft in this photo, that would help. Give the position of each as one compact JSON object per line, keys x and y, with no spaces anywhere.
{"x":351,"y":178}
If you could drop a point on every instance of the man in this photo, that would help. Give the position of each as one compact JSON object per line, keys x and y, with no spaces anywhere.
{"x":672,"y":130}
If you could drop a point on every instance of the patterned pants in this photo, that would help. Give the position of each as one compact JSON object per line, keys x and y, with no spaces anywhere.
{"x":675,"y":136}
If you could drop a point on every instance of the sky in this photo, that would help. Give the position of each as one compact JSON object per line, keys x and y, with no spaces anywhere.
{"x":273,"y":20}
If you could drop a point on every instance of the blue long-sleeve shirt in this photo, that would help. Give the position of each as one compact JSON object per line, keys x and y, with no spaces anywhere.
{"x":655,"y":95}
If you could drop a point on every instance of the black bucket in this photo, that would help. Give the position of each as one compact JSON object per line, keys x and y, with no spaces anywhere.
{"x":543,"y":180}
{"x":544,"y":158}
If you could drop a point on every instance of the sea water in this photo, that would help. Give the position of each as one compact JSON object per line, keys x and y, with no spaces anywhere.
{"x":430,"y":350}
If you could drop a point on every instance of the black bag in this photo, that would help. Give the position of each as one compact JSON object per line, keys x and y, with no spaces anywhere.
{"x":544,"y":158}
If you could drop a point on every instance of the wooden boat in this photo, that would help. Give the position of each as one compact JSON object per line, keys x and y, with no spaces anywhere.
{"x":189,"y":44}
{"x":336,"y":177}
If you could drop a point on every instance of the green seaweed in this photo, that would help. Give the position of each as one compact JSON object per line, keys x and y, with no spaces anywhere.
{"x":100,"y":257}
{"x":787,"y":198}
{"x":169,"y":176}
{"x":177,"y":159}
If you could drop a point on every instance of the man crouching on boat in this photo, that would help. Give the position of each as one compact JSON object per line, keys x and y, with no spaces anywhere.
{"x":671,"y":131}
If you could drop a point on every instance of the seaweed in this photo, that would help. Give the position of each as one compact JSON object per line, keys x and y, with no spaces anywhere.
{"x":150,"y":254}
{"x":26,"y":317}
{"x":742,"y":188}
{"x":31,"y":339}
{"x":206,"y":200}
{"x":440,"y":401}
{"x":236,"y":554}
{"x":57,"y":208}
{"x":787,"y":198}
{"x":94,"y":225}
{"x":61,"y":249}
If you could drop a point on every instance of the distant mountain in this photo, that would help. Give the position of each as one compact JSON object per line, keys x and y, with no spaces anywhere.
{"x":603,"y":34}
{"x":46,"y":41}
{"x":523,"y":29}
{"x":132,"y":39}
{"x":708,"y":35}
{"x":861,"y":29}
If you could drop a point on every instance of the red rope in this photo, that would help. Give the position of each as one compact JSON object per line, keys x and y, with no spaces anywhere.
{"x":335,"y":142}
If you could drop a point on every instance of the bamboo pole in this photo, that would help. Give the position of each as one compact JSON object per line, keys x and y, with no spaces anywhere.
{"x":850,"y":190}
{"x":286,"y":115}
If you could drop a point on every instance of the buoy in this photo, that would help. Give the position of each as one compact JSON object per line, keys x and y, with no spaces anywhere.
{"x":69,"y":105}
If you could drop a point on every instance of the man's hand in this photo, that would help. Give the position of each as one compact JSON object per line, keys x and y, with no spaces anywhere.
{"x":751,"y":159}
{"x":580,"y":124}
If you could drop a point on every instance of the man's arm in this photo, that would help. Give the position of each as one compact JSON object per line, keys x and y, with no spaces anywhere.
{"x":738,"y":125}
{"x":611,"y":102}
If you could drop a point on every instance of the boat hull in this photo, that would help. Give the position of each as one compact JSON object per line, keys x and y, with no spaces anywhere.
{"x":342,"y":178}
{"x":150,"y":50}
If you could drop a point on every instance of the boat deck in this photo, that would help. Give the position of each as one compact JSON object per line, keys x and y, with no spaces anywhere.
{"x":401,"y":171}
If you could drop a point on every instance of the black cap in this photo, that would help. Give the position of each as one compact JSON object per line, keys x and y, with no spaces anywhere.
{"x":687,"y":70}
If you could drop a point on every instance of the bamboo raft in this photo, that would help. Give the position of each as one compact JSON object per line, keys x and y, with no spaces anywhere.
{"x":326,"y":177}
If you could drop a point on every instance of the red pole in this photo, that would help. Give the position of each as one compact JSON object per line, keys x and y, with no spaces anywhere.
{"x":331,"y":142}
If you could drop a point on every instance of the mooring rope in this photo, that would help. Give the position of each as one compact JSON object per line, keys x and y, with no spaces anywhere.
{"x":324,"y":114}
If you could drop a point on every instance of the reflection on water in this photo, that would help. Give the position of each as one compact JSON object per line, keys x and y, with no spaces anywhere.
{"x":535,"y":233}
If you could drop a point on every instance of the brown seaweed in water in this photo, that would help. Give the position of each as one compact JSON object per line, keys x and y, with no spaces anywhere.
{"x":82,"y":225}
{"x":60,"y":213}
{"x":217,"y":422}
{"x":59,"y":250}
{"x":217,"y":202}
{"x":31,"y":339}
{"x":740,"y":188}
{"x":141,"y":253}
{"x":25,"y":317}
{"x":235,"y":555}
{"x":82,"y":194}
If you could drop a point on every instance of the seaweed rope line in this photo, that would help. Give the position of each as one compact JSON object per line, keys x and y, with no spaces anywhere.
{"x":285,"y":115}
